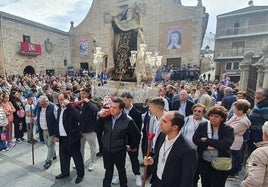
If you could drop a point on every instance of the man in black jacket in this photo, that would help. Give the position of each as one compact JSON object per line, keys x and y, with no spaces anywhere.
{"x":116,"y":130}
{"x":88,"y":118}
{"x":133,"y":154}
{"x":69,"y":135}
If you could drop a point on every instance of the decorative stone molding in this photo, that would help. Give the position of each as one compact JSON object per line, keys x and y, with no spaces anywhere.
{"x":248,"y":56}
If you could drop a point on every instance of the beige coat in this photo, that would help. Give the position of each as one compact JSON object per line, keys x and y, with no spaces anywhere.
{"x":240,"y":125}
{"x":257,"y":167}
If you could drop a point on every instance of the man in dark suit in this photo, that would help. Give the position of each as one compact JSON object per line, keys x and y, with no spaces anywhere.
{"x":175,"y":160}
{"x":183,"y":105}
{"x":69,"y":135}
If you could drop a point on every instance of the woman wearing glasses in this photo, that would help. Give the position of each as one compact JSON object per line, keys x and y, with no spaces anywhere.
{"x":191,"y":124}
{"x":192,"y":121}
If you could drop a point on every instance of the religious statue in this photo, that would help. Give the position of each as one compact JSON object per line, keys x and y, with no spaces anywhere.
{"x":128,"y":33}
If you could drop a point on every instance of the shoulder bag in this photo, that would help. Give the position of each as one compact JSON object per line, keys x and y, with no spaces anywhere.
{"x":219,"y":163}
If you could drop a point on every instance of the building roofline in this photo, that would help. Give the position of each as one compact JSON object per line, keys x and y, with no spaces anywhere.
{"x":18,"y":19}
{"x":243,"y":11}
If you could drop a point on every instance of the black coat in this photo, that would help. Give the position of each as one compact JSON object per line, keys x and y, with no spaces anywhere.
{"x":188,"y":109}
{"x":223,"y":144}
{"x":180,"y":165}
{"x":88,"y":117}
{"x":115,"y":139}
{"x":135,"y":114}
{"x":70,"y":119}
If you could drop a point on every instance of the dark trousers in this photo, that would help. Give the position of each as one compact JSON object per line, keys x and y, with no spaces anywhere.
{"x":109,"y":160}
{"x":254,"y":137}
{"x":211,"y":177}
{"x":41,"y":136}
{"x":19,"y":128}
{"x":67,"y":151}
{"x":156,"y":182}
{"x":99,"y":135}
{"x":133,"y":156}
{"x":237,"y":157}
{"x":196,"y":177}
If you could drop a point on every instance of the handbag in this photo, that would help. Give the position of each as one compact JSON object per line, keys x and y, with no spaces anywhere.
{"x":219,"y":163}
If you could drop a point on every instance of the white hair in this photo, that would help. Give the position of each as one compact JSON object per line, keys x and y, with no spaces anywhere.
{"x":265,"y":128}
{"x":43,"y":98}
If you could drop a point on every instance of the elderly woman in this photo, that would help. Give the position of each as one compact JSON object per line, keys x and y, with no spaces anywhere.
{"x":240,"y":124}
{"x":213,"y":144}
{"x":192,"y":122}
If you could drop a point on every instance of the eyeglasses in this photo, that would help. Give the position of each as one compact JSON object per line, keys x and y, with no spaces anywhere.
{"x":199,"y":111}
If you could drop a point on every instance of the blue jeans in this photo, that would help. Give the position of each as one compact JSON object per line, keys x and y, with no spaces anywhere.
{"x":3,"y":144}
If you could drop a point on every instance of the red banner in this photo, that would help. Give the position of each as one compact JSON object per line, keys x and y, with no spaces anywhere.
{"x":26,"y":47}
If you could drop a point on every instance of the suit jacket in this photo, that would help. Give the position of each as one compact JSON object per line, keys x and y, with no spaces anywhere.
{"x":189,"y":105}
{"x":70,"y":120}
{"x":135,"y":114}
{"x":180,"y":165}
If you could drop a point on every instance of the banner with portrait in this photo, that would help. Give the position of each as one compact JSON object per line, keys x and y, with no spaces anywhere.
{"x":83,"y":47}
{"x":174,"y":38}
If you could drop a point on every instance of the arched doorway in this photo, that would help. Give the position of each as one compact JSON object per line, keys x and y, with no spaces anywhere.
{"x":29,"y":70}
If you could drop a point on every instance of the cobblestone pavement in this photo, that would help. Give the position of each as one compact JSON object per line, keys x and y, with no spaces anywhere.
{"x":17,"y":170}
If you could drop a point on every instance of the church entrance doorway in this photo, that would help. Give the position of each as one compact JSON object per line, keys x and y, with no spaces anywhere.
{"x":29,"y":70}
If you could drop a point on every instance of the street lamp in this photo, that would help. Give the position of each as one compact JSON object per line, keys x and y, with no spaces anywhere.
{"x":98,"y":59}
{"x":144,"y":61}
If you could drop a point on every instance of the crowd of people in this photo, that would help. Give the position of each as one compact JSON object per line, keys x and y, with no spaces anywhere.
{"x":192,"y":125}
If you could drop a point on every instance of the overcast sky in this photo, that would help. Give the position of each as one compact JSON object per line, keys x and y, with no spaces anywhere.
{"x":59,"y":13}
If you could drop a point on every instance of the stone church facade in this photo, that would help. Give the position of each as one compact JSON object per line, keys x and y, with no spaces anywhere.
{"x":158,"y":19}
{"x":30,"y":47}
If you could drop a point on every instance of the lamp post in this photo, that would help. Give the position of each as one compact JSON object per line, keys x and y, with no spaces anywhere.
{"x":144,"y":61}
{"x":98,"y":59}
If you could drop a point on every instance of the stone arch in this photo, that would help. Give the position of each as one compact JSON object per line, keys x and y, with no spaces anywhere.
{"x":29,"y":65}
{"x":29,"y":70}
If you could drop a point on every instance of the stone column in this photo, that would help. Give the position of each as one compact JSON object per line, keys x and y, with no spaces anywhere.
{"x":265,"y":78}
{"x":262,"y":66}
{"x":244,"y":68}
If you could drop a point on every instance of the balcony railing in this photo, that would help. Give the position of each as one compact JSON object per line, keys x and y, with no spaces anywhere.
{"x":249,"y":30}
{"x":232,"y":53}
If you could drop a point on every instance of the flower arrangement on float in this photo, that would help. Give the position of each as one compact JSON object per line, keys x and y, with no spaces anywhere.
{"x":106,"y":105}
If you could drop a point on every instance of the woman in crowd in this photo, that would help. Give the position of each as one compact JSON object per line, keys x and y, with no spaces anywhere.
{"x":240,"y":124}
{"x":213,"y":139}
{"x":9,"y":110}
{"x":19,"y":116}
{"x":191,"y":124}
{"x":3,"y":124}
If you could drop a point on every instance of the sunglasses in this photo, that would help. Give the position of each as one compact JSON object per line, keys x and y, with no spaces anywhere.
{"x":199,"y":111}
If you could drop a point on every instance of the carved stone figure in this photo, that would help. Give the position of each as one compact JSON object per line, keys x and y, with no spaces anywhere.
{"x":128,"y":31}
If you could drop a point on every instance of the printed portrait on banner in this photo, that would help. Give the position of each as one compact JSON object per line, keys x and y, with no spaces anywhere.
{"x":83,"y":48}
{"x":174,"y":38}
